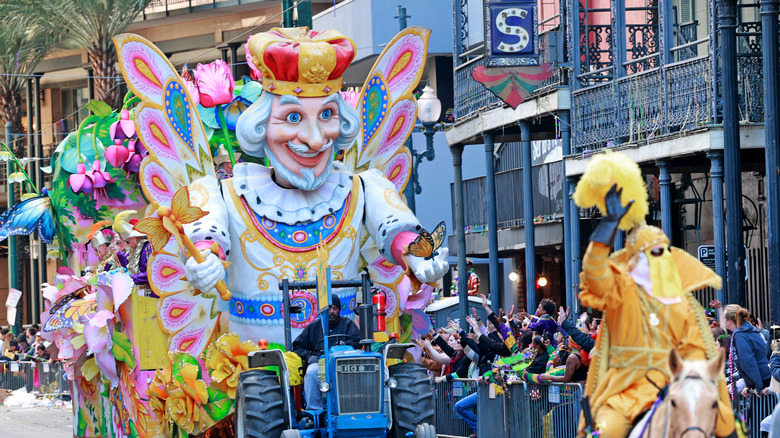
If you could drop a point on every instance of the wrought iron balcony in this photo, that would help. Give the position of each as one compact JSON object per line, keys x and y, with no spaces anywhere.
{"x":672,"y":98}
{"x":548,"y":197}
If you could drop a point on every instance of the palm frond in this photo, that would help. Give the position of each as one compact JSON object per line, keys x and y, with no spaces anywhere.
{"x":28,"y":33}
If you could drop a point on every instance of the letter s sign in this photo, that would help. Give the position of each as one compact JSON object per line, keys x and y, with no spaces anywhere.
{"x":519,"y":37}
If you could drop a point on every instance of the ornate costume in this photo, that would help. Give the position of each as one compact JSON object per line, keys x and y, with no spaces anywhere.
{"x":268,"y":233}
{"x":645,"y":293}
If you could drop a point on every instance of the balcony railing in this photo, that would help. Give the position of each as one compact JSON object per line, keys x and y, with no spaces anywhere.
{"x":156,"y":7}
{"x":672,"y":98}
{"x":548,"y":197}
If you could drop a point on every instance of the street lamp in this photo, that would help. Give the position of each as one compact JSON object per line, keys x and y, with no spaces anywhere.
{"x":428,"y":111}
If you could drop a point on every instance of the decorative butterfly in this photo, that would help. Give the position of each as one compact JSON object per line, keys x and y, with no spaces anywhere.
{"x":69,"y":313}
{"x":27,"y":216}
{"x":426,"y":244}
{"x":67,"y":298}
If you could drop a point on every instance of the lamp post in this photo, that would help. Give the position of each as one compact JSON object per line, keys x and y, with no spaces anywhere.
{"x":428,"y":111}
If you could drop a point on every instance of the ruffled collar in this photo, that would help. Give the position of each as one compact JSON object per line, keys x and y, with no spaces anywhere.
{"x":255,"y":184}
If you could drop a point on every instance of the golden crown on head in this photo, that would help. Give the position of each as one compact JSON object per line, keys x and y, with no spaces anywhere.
{"x":644,"y":237}
{"x":301,"y":62}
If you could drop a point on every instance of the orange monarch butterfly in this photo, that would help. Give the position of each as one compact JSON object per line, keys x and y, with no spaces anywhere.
{"x":426,"y":244}
{"x":68,"y":313}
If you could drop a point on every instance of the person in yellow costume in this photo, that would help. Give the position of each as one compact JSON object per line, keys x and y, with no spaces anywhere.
{"x":644,"y":291}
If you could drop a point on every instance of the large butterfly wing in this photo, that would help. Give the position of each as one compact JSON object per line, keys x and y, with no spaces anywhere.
{"x":70,"y":312}
{"x":167,"y":121}
{"x":387,"y":107}
{"x":27,"y":216}
{"x":169,"y":126}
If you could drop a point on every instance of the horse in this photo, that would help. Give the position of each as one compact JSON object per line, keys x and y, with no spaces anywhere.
{"x":690,"y":407}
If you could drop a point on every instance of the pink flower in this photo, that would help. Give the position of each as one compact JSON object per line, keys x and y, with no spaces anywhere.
{"x":117,"y":155}
{"x":100,"y":179}
{"x":254,"y":72}
{"x":81,"y":181}
{"x":123,"y":128}
{"x":215,"y":83}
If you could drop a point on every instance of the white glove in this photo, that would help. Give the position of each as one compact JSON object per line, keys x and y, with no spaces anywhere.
{"x":204,"y":276}
{"x":429,"y":270}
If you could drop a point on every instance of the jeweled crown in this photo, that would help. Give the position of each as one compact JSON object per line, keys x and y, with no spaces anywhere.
{"x":301,"y":62}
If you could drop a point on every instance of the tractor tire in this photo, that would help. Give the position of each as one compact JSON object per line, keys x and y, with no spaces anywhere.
{"x":291,"y":433}
{"x":412,"y":400}
{"x":425,"y":430}
{"x":260,"y":410}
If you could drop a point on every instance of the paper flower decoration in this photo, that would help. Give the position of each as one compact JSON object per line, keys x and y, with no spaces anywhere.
{"x":226,"y":359}
{"x":178,"y":394}
{"x":215,"y":83}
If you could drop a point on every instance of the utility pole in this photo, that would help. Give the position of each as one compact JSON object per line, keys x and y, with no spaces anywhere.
{"x":287,"y":13}
{"x":769,"y":12}
{"x":735,"y":250}
{"x":402,"y":18}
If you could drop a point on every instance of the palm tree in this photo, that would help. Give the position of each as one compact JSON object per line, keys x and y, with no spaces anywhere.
{"x":93,"y":23}
{"x":28,"y":32}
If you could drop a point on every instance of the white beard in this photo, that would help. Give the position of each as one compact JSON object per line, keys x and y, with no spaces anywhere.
{"x":308,"y":181}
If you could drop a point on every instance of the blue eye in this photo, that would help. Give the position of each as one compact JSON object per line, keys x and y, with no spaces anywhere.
{"x":326,"y":114}
{"x":293,"y":117}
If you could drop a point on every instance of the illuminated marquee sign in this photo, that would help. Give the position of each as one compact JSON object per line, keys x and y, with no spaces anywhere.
{"x":511,"y":33}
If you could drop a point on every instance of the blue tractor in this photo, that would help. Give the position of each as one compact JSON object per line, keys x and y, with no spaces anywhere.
{"x":364,"y":397}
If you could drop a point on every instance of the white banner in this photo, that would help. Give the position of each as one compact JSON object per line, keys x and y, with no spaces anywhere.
{"x":13,"y":297}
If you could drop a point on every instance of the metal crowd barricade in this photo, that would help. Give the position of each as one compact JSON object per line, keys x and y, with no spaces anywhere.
{"x":529,"y":411}
{"x":445,"y":396}
{"x":753,"y":409}
{"x":52,"y":380}
{"x":47,"y":379}
{"x":17,"y":375}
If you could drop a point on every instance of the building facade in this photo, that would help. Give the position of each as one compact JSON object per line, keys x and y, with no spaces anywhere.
{"x":645,"y":77}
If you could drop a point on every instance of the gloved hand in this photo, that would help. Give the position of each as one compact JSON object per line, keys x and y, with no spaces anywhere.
{"x":204,"y":276}
{"x":776,"y":346}
{"x":313,"y":359}
{"x":606,"y":231}
{"x":429,"y":270}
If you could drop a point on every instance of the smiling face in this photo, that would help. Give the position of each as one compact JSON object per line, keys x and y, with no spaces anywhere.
{"x":300,"y":135}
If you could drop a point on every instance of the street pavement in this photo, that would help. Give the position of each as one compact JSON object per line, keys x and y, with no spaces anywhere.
{"x":36,"y":422}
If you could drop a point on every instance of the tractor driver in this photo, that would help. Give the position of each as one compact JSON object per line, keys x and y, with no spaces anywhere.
{"x":309,"y":346}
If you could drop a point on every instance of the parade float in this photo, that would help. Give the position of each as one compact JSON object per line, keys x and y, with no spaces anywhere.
{"x":176,"y":216}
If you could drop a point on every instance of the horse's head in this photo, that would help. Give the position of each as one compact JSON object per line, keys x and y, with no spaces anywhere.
{"x":693,"y":396}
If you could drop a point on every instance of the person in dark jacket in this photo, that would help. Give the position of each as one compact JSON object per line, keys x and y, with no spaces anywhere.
{"x":309,"y":345}
{"x":748,"y":349}
{"x":541,"y":356}
{"x":771,"y":424}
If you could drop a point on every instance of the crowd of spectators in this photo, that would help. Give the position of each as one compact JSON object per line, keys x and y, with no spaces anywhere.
{"x":28,"y":346}
{"x":753,"y":353}
{"x":543,"y":347}
{"x":550,"y":347}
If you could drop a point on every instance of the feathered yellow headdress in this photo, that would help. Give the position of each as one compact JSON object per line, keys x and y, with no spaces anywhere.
{"x":122,"y":226}
{"x":605,"y":170}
